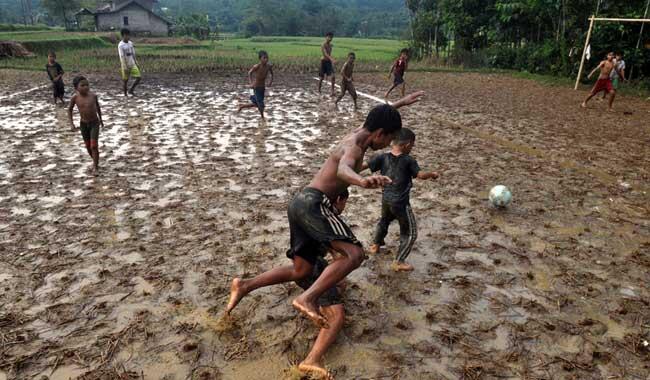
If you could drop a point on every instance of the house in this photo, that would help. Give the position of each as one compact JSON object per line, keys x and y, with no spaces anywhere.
{"x":135,"y":15}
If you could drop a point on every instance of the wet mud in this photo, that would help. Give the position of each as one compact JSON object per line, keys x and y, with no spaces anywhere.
{"x":125,"y":275}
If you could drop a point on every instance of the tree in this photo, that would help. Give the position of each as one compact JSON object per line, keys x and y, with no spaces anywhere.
{"x":63,"y":10}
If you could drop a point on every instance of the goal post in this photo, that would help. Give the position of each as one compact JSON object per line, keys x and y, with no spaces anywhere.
{"x":592,"y":21}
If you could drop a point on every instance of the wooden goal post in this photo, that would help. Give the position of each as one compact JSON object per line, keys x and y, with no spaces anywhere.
{"x":592,"y":20}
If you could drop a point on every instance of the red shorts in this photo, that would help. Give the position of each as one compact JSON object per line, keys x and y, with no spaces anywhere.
{"x":603,"y":85}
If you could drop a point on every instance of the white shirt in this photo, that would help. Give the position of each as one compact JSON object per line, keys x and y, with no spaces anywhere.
{"x":618,"y":66}
{"x":127,"y":54}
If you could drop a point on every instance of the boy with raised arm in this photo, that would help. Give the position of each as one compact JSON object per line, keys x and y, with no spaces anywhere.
{"x":128,"y":63}
{"x":314,"y":225}
{"x":397,"y":71}
{"x":327,"y":63}
{"x":604,"y":82}
{"x":90,"y":117}
{"x":401,"y":168}
{"x":261,"y":71}
{"x":347,"y":83}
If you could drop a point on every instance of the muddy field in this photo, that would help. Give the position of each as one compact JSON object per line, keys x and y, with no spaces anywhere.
{"x":125,"y":275}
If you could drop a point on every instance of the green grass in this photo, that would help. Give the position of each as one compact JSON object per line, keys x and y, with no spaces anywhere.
{"x":84,"y":52}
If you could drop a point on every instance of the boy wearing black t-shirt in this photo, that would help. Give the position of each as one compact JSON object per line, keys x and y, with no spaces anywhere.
{"x":401,"y":168}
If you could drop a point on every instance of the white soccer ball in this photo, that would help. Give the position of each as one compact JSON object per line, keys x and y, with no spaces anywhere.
{"x":500,"y":196}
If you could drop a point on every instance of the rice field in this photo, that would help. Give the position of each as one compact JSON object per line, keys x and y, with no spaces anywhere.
{"x":84,"y":52}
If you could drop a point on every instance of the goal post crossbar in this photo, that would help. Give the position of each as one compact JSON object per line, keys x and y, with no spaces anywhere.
{"x":592,"y":20}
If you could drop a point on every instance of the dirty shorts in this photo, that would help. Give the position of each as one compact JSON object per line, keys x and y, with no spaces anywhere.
{"x":90,"y":132}
{"x":398,"y":79}
{"x":326,"y":68}
{"x":258,"y":97}
{"x":331,"y":295}
{"x":314,"y":224}
{"x":130,"y":72}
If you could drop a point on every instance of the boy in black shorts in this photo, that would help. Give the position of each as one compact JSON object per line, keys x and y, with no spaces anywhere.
{"x":347,"y":83}
{"x":327,"y":63}
{"x":330,"y":302}
{"x":401,"y":168}
{"x":261,"y":71}
{"x":55,"y":73}
{"x":91,"y":117}
{"x":397,"y":70}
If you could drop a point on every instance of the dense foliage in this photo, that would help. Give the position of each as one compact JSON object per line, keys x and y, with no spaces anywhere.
{"x":545,"y":36}
{"x":367,"y":18}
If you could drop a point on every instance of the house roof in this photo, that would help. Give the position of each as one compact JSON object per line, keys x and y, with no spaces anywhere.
{"x":108,"y":10}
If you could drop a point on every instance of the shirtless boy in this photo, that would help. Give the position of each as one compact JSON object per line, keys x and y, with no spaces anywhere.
{"x":314,"y":224}
{"x":347,"y":83}
{"x":604,"y":82}
{"x":90,"y":117}
{"x":261,"y":71}
{"x":327,"y":63}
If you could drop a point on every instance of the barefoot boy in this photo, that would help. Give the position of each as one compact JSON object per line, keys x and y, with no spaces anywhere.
{"x":401,"y":168}
{"x":327,"y":63}
{"x":330,"y":304}
{"x":347,"y":83}
{"x":55,"y":73}
{"x":397,"y":70}
{"x":314,"y":224}
{"x":90,"y":117}
{"x":618,"y":74}
{"x":261,"y":71}
{"x":604,"y":82}
{"x":130,"y":67}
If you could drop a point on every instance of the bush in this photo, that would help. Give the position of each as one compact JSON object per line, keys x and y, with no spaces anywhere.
{"x":42,"y":47}
{"x":23,"y":28}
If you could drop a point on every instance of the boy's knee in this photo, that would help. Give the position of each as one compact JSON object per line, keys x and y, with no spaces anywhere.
{"x":357,"y":256}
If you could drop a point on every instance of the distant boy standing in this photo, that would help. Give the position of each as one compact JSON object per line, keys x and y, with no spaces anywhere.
{"x":90,"y":117}
{"x":604,"y":82}
{"x":261,"y":71}
{"x":397,"y":70}
{"x":128,"y":62}
{"x":327,"y":63}
{"x":401,"y":168}
{"x":347,"y":83}
{"x":55,"y":73}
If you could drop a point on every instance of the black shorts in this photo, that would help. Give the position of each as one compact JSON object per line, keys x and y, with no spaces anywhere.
{"x":398,"y":79}
{"x":331,"y":295}
{"x":326,"y":68}
{"x":314,"y":225}
{"x":349,"y":87}
{"x":58,"y":89}
{"x":258,"y":97}
{"x":90,"y":131}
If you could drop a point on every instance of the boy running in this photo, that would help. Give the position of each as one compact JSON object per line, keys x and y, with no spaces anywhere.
{"x":90,"y":117}
{"x":261,"y":71}
{"x":327,"y":63}
{"x":129,"y":65}
{"x":55,"y":73}
{"x":347,"y":83}
{"x":618,"y":73}
{"x":401,"y":168}
{"x":314,"y":224}
{"x":397,"y":70}
{"x":604,"y":82}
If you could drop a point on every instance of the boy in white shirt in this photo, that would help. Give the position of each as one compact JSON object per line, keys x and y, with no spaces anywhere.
{"x":128,"y":62}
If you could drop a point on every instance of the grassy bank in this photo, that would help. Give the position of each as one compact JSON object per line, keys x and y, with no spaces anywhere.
{"x":91,"y":52}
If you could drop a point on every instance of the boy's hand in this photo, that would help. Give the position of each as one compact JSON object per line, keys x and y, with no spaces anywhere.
{"x":375,"y":181}
{"x":409,"y":99}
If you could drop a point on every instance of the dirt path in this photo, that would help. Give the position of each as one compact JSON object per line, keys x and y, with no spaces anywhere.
{"x":126,"y":274}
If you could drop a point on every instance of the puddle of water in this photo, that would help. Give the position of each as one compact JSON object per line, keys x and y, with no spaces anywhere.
{"x":20,"y":211}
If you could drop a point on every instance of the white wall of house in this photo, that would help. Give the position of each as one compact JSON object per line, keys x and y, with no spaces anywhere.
{"x":139,"y":21}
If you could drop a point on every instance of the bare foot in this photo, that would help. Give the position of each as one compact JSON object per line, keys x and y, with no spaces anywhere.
{"x":583,"y":105}
{"x":401,"y":267}
{"x":315,"y":369}
{"x":237,"y":292}
{"x":94,"y":171}
{"x":374,"y":249}
{"x":610,"y":110}
{"x":310,"y":311}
